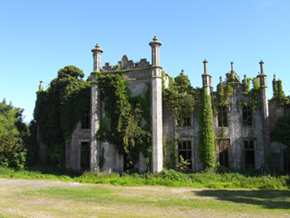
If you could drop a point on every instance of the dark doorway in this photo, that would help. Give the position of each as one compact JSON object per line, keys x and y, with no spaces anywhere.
{"x":128,"y":164}
{"x":184,"y":149}
{"x":224,"y":152}
{"x":85,"y":156}
{"x":249,"y":154}
{"x":286,"y":161}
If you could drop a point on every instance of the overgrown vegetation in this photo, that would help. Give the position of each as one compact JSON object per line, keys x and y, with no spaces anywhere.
{"x":124,"y":114}
{"x":281,"y":131}
{"x":279,"y":93}
{"x":171,"y":162}
{"x":180,"y":97}
{"x":59,"y":108}
{"x":209,"y":179}
{"x":206,"y":148}
{"x":12,"y":130}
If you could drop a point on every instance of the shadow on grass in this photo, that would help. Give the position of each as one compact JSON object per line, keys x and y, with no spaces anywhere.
{"x":270,"y":199}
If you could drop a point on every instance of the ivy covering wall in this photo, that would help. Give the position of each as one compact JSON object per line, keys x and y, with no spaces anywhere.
{"x":180,"y":97}
{"x":122,"y":124}
{"x":279,"y":93}
{"x":59,"y":108}
{"x":206,"y":148}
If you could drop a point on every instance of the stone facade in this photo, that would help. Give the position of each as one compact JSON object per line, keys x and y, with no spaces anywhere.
{"x":237,"y":145}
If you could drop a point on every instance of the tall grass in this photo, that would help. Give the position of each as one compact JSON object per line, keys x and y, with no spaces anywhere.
{"x":212,"y":179}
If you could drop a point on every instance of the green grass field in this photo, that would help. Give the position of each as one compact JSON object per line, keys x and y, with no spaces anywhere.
{"x":46,"y":198}
{"x":45,"y":192}
{"x":228,"y":180}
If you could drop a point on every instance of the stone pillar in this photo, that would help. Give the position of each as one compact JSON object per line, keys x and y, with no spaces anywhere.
{"x":246,"y":83}
{"x":206,"y":79}
{"x":156,"y":97}
{"x":41,"y":85}
{"x":265,"y":108}
{"x":95,"y":111}
{"x":97,"y":53}
{"x":232,"y":66}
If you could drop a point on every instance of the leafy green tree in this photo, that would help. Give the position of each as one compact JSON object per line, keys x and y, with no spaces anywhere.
{"x":12,"y":151}
{"x":206,"y":149}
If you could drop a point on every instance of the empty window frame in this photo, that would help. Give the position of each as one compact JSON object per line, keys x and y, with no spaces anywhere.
{"x":86,"y":124}
{"x":286,"y":160}
{"x":85,"y":155}
{"x":247,"y":116}
{"x":185,"y":150}
{"x":223,"y":146}
{"x":184,"y":118}
{"x":222,"y":116}
{"x":249,"y":149}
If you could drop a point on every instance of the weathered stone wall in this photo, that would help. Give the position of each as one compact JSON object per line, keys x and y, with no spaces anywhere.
{"x":73,"y":147}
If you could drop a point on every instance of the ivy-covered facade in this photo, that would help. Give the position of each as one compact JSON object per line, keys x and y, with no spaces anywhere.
{"x":141,"y":119}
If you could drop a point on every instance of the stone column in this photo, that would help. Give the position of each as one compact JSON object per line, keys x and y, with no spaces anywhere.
{"x":232,"y":66}
{"x":265,"y":108}
{"x":156,"y":95}
{"x":206,"y":79}
{"x":97,"y":53}
{"x":246,"y":83}
{"x":41,"y":85}
{"x":95,"y":111}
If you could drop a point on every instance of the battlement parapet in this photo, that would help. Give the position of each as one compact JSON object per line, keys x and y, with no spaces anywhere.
{"x":126,"y":64}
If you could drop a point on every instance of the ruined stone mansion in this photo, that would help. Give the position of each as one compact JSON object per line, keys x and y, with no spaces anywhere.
{"x":242,"y":137}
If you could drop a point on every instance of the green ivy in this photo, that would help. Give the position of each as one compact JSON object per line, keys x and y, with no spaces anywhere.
{"x":171,"y":162}
{"x":279,"y":93}
{"x":224,"y":91}
{"x":180,"y":97}
{"x":281,"y":131}
{"x":253,"y":95}
{"x":206,"y":148}
{"x":59,"y":108}
{"x":246,"y":85}
{"x":124,"y":113}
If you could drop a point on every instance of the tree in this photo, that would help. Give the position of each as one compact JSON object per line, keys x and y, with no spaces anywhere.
{"x":12,"y":151}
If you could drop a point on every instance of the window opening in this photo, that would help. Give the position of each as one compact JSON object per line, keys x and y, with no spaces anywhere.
{"x":185,"y":149}
{"x":224,"y":152}
{"x":222,"y":116}
{"x":249,"y":154}
{"x":86,"y":120}
{"x":247,"y":116}
{"x":286,"y":161}
{"x":185,"y":117}
{"x":85,"y":156}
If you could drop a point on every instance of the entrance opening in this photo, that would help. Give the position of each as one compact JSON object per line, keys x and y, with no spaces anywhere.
{"x":224,"y":152}
{"x":184,"y":149}
{"x":286,"y":161}
{"x":128,"y":164}
{"x":249,"y":154}
{"x":85,"y":156}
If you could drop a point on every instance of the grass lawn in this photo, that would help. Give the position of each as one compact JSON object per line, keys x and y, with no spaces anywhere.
{"x":46,"y":198}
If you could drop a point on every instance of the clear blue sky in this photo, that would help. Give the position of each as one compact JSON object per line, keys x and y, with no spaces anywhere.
{"x":37,"y":38}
